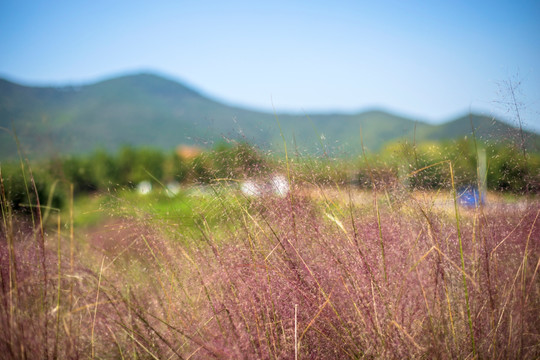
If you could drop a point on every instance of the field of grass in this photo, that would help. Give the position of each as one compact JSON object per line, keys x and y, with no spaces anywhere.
{"x":323,"y":273}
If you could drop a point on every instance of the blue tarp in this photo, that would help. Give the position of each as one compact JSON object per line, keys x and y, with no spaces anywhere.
{"x":470,"y":197}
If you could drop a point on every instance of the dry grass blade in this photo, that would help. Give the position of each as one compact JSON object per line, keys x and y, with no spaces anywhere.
{"x":96,"y":307}
{"x":321,"y":308}
{"x":393,"y":322}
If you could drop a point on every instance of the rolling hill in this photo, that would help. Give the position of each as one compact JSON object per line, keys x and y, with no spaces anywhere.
{"x":146,"y":109}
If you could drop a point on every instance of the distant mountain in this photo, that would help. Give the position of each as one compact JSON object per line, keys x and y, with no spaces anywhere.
{"x":145,"y":109}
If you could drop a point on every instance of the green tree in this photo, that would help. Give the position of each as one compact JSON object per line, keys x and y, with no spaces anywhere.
{"x":148,"y":165}
{"x":175,"y":168}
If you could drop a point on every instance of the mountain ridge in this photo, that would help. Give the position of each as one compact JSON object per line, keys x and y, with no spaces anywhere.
{"x":151,"y":110}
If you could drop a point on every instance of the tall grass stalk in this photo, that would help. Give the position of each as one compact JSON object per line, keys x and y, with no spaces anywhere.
{"x":96,"y":308}
{"x":296,"y":331}
{"x":381,"y":239}
{"x":524,"y":294}
{"x":13,"y":291}
{"x":59,"y":288}
{"x":465,"y":287}
{"x":40,"y":240}
{"x":376,"y":203}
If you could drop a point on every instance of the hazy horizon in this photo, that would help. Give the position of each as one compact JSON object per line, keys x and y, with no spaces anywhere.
{"x":258,"y":109}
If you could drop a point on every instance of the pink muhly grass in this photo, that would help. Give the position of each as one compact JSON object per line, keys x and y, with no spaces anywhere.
{"x":272,"y":277}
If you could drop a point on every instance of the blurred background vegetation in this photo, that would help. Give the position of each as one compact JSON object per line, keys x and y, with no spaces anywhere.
{"x":416,"y":166}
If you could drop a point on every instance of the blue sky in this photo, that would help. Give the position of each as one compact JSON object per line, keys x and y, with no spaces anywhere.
{"x":428,"y":59}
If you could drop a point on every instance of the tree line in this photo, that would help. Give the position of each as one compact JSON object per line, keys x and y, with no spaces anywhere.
{"x":416,"y":166}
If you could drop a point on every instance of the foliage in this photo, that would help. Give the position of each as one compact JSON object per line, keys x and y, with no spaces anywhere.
{"x":415,"y":166}
{"x":236,"y":160}
{"x":18,"y":186}
{"x":420,"y":165}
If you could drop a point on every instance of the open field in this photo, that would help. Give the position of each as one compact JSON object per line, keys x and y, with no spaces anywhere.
{"x":269,"y":180}
{"x":325,"y":272}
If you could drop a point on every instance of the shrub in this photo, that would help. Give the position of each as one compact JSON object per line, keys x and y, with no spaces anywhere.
{"x":18,"y":186}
